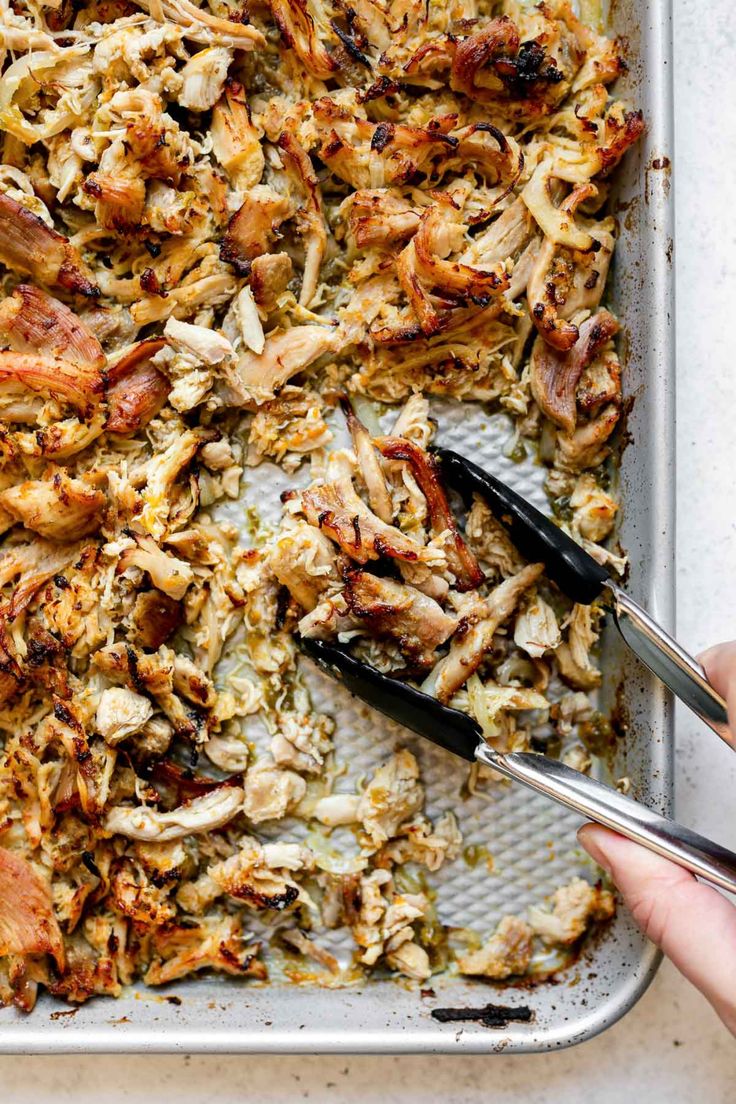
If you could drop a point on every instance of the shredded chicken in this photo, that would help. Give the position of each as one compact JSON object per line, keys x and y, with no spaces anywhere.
{"x":574,"y":907}
{"x":392,"y":796}
{"x":475,"y":634}
{"x":507,"y":952}
{"x":217,"y":228}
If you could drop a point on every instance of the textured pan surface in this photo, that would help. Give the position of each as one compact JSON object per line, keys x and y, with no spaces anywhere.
{"x":532,"y":841}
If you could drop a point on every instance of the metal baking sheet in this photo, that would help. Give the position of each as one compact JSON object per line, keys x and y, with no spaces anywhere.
{"x":532,"y":840}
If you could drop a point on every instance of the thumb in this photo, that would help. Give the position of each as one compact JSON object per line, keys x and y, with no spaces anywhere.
{"x":693,"y":924}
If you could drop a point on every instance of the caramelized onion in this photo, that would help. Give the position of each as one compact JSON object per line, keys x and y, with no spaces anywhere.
{"x":80,"y":385}
{"x":136,"y":388}
{"x":29,"y":245}
{"x":34,"y":322}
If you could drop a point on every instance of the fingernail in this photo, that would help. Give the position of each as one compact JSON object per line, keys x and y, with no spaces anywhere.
{"x":586,"y":838}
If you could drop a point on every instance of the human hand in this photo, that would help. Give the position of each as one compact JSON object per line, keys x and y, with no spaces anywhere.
{"x":693,"y":923}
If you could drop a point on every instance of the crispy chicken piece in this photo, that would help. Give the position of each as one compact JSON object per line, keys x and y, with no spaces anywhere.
{"x":302,"y":741}
{"x":133,"y":895}
{"x":372,"y":155}
{"x":491,"y":704}
{"x":337,"y":809}
{"x":249,"y":320}
{"x":383,"y":925}
{"x":338,"y":511}
{"x":120,"y":199}
{"x":201,"y":25}
{"x":475,"y":635}
{"x":379,"y":217}
{"x":60,"y":508}
{"x":136,"y":389}
{"x":202,"y":814}
{"x":298,"y":31}
{"x":28,"y":245}
{"x":566,"y":278}
{"x":574,"y":908}
{"x":33,"y":564}
{"x":269,"y":277}
{"x":390,"y":609}
{"x":434,"y":284}
{"x":156,"y":617}
{"x":193,"y":359}
{"x":216,"y":943}
{"x":329,"y":618}
{"x":506,"y":954}
{"x":285,"y":353}
{"x":162,"y":473}
{"x":460,"y":559}
{"x":522,"y":71}
{"x":235,"y":141}
{"x":492,"y":154}
{"x":156,"y":675}
{"x":27,"y":922}
{"x":594,"y":510}
{"x":169,"y":574}
{"x":259,"y":874}
{"x":253,"y":227}
{"x":600,"y":383}
{"x":392,"y":797}
{"x":555,"y":375}
{"x":31,"y":321}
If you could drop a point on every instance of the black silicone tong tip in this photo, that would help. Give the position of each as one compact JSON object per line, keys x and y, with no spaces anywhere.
{"x":452,"y":730}
{"x":537,"y":538}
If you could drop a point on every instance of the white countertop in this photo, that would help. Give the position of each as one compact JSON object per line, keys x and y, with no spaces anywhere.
{"x":671,"y":1043}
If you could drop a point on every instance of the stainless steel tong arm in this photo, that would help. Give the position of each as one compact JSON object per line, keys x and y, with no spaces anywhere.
{"x":682,"y":674}
{"x":607,"y":806}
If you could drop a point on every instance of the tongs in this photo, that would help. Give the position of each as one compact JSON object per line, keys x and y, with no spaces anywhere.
{"x":583,"y":580}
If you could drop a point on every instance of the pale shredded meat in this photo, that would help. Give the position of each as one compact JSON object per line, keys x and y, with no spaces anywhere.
{"x":227,"y":238}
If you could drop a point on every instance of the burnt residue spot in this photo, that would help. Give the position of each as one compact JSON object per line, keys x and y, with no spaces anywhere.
{"x":282,"y":607}
{"x":490,"y":1015}
{"x":661,"y":163}
{"x":384,"y":86}
{"x":530,"y":68}
{"x":382,"y":135}
{"x":89,"y":861}
{"x":176,"y":1001}
{"x":352,"y":44}
{"x":151,"y":284}
{"x":63,"y":1013}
